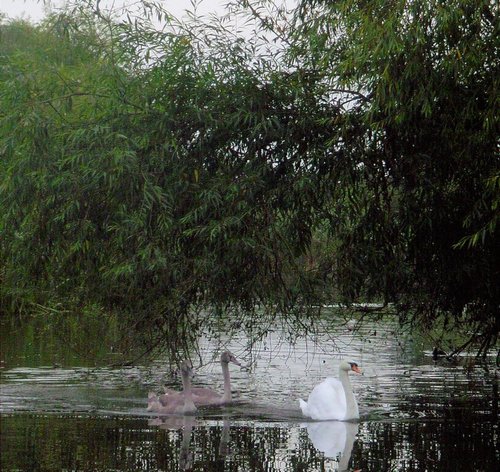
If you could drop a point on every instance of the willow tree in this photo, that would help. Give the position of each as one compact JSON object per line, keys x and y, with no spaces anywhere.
{"x":171,"y":175}
{"x":421,"y":79}
{"x":154,"y":175}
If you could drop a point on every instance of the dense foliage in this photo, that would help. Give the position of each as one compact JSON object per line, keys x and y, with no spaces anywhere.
{"x":423,"y":80}
{"x":171,"y":177}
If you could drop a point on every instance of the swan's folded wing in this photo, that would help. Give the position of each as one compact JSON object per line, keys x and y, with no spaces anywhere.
{"x":205,"y":392}
{"x":327,"y":401}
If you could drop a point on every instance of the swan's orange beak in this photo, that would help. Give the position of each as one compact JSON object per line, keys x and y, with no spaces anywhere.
{"x":356,"y":369}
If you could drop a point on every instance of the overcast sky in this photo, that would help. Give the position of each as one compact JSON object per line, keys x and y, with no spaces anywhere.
{"x":33,"y":10}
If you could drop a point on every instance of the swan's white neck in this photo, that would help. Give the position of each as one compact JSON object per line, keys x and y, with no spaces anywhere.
{"x":352,"y":411}
{"x":226,"y":398}
{"x":351,"y":431}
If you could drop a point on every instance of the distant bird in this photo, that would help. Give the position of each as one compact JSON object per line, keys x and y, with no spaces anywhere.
{"x":437,"y":353}
{"x":208,"y":396}
{"x":333,"y":399}
{"x":181,"y":402}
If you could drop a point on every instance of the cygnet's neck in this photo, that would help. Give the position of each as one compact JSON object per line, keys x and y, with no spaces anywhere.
{"x":352,"y":411}
{"x":187,"y":393}
{"x":227,"y":383}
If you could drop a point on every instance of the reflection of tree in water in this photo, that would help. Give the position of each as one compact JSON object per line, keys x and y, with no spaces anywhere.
{"x":235,"y":447}
{"x":53,"y":442}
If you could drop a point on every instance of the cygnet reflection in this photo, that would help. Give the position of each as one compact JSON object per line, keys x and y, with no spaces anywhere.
{"x":186,"y":423}
{"x":177,"y":422}
{"x":224,"y":439}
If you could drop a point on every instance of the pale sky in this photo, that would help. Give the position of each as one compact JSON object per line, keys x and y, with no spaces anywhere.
{"x":33,"y":10}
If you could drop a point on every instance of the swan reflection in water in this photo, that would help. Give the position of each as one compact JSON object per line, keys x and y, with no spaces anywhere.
{"x":186,"y":423}
{"x":335,"y":439}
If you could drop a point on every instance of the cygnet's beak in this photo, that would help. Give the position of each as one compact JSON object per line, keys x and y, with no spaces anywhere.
{"x":236,"y":361}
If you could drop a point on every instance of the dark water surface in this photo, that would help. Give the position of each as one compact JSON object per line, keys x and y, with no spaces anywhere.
{"x":416,"y":414}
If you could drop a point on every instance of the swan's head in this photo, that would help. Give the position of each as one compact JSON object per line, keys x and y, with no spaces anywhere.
{"x":152,"y":399}
{"x":227,"y":357}
{"x":186,"y":369}
{"x":347,"y":366}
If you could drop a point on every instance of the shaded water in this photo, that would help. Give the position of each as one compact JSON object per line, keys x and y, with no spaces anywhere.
{"x":416,"y":414}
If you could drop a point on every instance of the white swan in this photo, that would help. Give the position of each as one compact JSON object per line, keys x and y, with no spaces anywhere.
{"x":333,"y":399}
{"x":182,"y":402}
{"x":207,"y":396}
